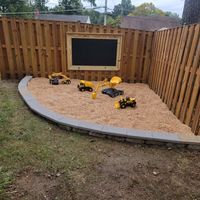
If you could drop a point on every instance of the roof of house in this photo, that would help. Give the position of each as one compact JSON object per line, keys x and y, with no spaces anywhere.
{"x":149,"y":23}
{"x":68,"y":18}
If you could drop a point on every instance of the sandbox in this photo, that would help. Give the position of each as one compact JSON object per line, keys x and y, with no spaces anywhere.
{"x":150,"y":114}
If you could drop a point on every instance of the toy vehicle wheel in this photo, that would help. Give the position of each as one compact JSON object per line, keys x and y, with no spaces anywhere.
{"x":123,"y":106}
{"x":82,"y":89}
{"x":68,"y":82}
{"x":132,"y":105}
{"x":117,"y":94}
{"x":90,"y":89}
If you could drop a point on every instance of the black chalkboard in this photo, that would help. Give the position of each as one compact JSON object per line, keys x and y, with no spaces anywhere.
{"x":94,"y":52}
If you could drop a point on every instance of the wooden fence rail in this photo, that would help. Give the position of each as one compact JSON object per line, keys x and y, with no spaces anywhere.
{"x":40,"y":47}
{"x":175,"y":72}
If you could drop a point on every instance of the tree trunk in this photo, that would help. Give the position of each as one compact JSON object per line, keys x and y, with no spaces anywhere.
{"x":191,"y":12}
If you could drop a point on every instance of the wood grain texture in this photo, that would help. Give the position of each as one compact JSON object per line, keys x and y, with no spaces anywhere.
{"x":174,"y":72}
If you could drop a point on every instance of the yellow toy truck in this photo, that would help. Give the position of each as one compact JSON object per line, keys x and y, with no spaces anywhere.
{"x":85,"y":86}
{"x":125,"y":102}
{"x":57,"y":78}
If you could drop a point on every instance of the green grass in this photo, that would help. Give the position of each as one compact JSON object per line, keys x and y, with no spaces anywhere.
{"x":29,"y":144}
{"x":28,"y":140}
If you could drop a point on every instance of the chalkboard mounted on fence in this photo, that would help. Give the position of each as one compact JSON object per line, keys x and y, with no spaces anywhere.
{"x":93,"y":51}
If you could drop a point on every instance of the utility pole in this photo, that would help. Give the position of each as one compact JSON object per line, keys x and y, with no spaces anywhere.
{"x":105,"y":14}
{"x":122,"y":9}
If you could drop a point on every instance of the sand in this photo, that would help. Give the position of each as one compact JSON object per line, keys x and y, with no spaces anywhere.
{"x":150,"y":114}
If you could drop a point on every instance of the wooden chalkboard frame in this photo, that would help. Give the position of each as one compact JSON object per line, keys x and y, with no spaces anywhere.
{"x":108,"y":36}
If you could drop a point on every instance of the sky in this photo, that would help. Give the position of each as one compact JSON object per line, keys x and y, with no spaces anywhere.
{"x":166,"y":5}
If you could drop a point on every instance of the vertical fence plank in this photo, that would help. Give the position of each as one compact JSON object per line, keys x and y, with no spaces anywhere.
{"x":193,"y":98}
{"x":162,"y":60}
{"x":2,"y":63}
{"x":147,"y":57}
{"x":32,"y":49}
{"x":40,"y":51}
{"x":169,"y":61}
{"x":134,"y":55}
{"x":142,"y":46}
{"x":8,"y":48}
{"x":16,"y":48}
{"x":48,"y":48}
{"x":24,"y":46}
{"x":196,"y":120}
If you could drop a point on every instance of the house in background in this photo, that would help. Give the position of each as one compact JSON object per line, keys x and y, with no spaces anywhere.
{"x":65,"y":18}
{"x":191,"y":12}
{"x":149,"y":23}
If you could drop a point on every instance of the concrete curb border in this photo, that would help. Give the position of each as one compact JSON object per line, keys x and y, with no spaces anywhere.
{"x":121,"y":134}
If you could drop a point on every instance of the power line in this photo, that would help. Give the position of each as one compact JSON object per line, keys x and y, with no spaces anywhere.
{"x":46,"y":12}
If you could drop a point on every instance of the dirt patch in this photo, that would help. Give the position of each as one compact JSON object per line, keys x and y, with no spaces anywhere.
{"x":33,"y":184}
{"x":142,"y":173}
{"x":150,"y":114}
{"x":123,"y":172}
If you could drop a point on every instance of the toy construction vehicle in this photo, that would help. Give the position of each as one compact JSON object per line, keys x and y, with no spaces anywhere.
{"x":125,"y":102}
{"x":85,"y":86}
{"x":57,"y":78}
{"x":111,"y":91}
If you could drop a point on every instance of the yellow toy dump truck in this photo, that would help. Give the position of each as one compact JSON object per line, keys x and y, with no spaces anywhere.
{"x":111,"y":91}
{"x":57,"y":78}
{"x":85,"y":86}
{"x":125,"y":102}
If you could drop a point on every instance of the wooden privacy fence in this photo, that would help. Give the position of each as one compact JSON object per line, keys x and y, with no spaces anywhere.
{"x":39,"y":48}
{"x":170,"y":64}
{"x":175,"y":72}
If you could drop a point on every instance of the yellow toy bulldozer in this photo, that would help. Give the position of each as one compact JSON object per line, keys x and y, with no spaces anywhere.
{"x":57,"y":78}
{"x":125,"y":102}
{"x":85,"y":86}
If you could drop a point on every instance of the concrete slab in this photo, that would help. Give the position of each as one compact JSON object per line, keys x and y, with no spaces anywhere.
{"x":69,"y":122}
{"x":135,"y":133}
{"x":114,"y":131}
{"x":165,"y":137}
{"x":90,"y":126}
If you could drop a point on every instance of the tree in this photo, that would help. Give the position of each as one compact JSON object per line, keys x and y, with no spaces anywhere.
{"x":41,"y":5}
{"x":72,"y":6}
{"x":114,"y":21}
{"x":124,"y":8}
{"x":191,"y":12}
{"x":146,"y":9}
{"x":15,"y":6}
{"x":95,"y":16}
{"x":174,"y":15}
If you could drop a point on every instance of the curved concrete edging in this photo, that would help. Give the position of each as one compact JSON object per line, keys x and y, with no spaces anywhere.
{"x":122,"y":134}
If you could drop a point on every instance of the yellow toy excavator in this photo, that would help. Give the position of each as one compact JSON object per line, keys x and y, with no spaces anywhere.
{"x":55,"y":77}
{"x":111,"y":91}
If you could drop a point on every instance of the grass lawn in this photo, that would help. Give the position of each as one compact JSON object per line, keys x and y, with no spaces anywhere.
{"x":38,"y":160}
